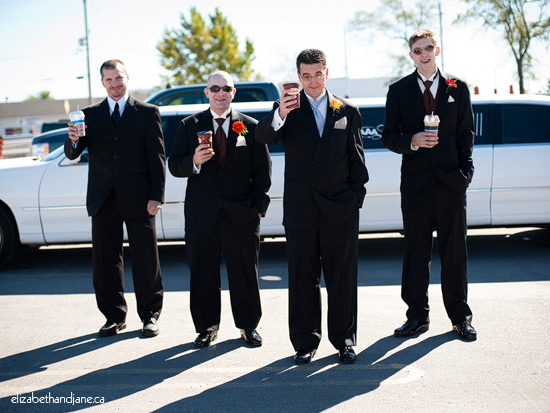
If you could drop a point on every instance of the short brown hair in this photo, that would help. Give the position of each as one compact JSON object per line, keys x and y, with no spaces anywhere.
{"x":311,"y":57}
{"x":421,"y":34}
{"x":111,"y":64}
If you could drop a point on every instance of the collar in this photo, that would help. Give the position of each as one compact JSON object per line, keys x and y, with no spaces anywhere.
{"x":321,"y":96}
{"x":431,"y":78}
{"x":121,"y":103}
{"x":224,"y":114}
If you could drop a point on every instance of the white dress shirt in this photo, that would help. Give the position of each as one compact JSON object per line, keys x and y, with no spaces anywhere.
{"x":433,"y":89}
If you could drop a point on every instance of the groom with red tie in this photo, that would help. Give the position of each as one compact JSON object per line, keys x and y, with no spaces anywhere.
{"x":435,"y":173}
{"x":325,"y":178}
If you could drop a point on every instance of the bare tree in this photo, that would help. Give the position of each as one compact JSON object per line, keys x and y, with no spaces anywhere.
{"x":395,"y":21}
{"x":520,"y":21}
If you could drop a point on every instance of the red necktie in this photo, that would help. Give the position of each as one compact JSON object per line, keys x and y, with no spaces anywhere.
{"x":428,"y":97}
{"x":221,"y":139}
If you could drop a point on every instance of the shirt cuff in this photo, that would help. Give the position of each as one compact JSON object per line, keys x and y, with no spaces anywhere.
{"x":196,"y":169}
{"x":413,"y":147}
{"x":277,"y":122}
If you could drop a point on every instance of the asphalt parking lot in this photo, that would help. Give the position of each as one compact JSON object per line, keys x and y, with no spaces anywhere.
{"x":51,"y":356}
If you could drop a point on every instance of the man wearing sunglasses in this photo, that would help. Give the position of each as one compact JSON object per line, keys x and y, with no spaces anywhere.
{"x":227,"y":184}
{"x":435,"y":173}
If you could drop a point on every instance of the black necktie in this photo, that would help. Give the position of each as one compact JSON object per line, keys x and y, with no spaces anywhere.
{"x":116,"y":116}
{"x":221,"y":139}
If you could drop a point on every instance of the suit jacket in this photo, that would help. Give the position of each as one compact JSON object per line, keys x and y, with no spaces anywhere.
{"x":451,"y":159}
{"x":239,"y":186}
{"x":130,"y":159}
{"x":325,"y":175}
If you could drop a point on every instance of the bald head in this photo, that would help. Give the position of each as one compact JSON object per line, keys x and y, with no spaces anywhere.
{"x":220,"y":74}
{"x":220,"y":91}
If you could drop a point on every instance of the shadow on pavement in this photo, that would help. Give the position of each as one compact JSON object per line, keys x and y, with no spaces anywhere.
{"x":117,"y":381}
{"x":315,"y":387}
{"x":279,"y":386}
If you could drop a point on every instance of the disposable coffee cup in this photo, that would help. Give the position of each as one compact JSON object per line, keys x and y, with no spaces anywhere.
{"x":431,"y":124}
{"x":77,"y":118}
{"x":293,"y":89}
{"x":205,"y":136}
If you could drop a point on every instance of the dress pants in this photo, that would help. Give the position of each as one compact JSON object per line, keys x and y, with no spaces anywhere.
{"x":446,"y":213}
{"x":332,"y":248}
{"x":240,"y":247}
{"x":108,"y":265}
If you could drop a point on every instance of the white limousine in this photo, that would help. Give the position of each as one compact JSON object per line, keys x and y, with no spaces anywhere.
{"x":42,"y":200}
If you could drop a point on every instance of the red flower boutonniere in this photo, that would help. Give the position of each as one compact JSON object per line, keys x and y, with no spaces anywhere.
{"x":450,"y":84}
{"x":335,"y":105}
{"x":239,"y":128}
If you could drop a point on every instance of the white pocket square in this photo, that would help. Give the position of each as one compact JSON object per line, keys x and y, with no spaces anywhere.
{"x":450,"y":100}
{"x":241,"y":141}
{"x":341,"y":124}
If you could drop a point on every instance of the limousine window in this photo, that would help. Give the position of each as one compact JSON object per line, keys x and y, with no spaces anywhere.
{"x":525,"y":124}
{"x":484,"y":116}
{"x":373,"y":125}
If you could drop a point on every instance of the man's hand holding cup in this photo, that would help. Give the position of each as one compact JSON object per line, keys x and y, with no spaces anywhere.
{"x":290,"y":99}
{"x":204,"y":151}
{"x":428,"y":138}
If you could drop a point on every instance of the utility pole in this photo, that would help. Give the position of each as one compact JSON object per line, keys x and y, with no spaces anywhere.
{"x":87,"y":53}
{"x":441,"y":37}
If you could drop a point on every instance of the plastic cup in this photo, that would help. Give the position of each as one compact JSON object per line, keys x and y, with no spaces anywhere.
{"x":431,"y":124}
{"x":205,"y":137}
{"x":77,"y":118}
{"x":293,"y":89}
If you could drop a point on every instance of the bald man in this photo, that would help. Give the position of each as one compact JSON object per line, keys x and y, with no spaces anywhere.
{"x":227,"y":185}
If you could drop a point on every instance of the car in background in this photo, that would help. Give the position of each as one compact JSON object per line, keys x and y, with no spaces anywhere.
{"x":194,"y":94}
{"x":47,"y":142}
{"x":180,"y":95}
{"x":43,"y":200}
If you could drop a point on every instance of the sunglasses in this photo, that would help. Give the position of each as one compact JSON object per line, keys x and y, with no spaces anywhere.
{"x":428,"y":49}
{"x":216,"y":89}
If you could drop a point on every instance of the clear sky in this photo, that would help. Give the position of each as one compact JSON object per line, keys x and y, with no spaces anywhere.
{"x":39,"y":43}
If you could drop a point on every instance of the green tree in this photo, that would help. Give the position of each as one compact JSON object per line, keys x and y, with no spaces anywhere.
{"x":43,"y":95}
{"x":520,"y":21}
{"x":397,"y":22}
{"x":196,"y":49}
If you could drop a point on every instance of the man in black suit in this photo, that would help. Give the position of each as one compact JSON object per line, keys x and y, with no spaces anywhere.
{"x":225,"y":198}
{"x":126,"y":179}
{"x":435,"y":173}
{"x":324,"y":188}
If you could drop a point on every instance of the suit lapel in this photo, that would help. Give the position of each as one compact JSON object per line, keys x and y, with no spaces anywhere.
{"x":443,"y":96}
{"x":414,"y":94}
{"x":105,"y":114}
{"x":231,"y":136}
{"x":331,"y":118}
{"x":130,"y":112}
{"x":307,"y":112}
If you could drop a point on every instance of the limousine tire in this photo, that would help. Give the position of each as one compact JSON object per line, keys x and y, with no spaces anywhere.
{"x":8,"y":237}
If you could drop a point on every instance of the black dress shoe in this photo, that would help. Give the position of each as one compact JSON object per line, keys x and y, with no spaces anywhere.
{"x":466,"y":331}
{"x":150,"y":327}
{"x":347,"y":355}
{"x":206,"y":338}
{"x":251,"y":337}
{"x":110,"y":329}
{"x":304,"y":356}
{"x":411,"y":327}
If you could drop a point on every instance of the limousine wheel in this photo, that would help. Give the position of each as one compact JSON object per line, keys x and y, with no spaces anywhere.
{"x":8,"y":237}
